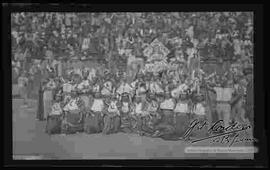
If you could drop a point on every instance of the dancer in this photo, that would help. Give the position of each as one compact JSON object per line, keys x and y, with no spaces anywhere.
{"x":73,"y":115}
{"x":40,"y":110}
{"x":182,"y":115}
{"x":224,"y":97}
{"x":94,"y":117}
{"x":165,"y":128}
{"x":48,"y":97}
{"x":22,"y":85}
{"x":112,"y":117}
{"x":54,"y":119}
{"x":125,"y":110}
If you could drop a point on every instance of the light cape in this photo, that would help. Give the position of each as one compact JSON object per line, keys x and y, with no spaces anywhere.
{"x":98,"y":105}
{"x":199,"y":109}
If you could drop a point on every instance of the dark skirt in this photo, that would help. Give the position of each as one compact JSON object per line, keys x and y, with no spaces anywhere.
{"x":111,"y":124}
{"x":139,"y":125}
{"x":168,"y":116}
{"x":93,"y":123}
{"x":166,"y":126}
{"x":53,"y":125}
{"x":29,"y":88}
{"x":86,"y":100}
{"x":167,"y":131}
{"x":144,"y":126}
{"x":40,"y":110}
{"x":126,"y":125}
{"x":47,"y":102}
{"x":73,"y":123}
{"x":250,"y":114}
{"x":182,"y":124}
{"x":201,"y":131}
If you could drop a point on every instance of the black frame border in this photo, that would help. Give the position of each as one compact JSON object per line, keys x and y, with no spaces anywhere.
{"x":260,"y":90}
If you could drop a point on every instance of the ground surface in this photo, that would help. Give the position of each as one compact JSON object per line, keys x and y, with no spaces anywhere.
{"x":29,"y":138}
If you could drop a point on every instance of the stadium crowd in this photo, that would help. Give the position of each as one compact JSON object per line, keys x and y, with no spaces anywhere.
{"x":146,"y":73}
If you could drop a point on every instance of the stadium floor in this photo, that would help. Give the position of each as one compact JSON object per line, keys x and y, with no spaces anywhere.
{"x":30,"y":139}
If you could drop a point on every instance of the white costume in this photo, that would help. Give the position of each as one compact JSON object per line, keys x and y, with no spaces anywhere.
{"x":124,"y":88}
{"x":91,"y":74}
{"x":167,"y":104}
{"x":113,"y":108}
{"x":155,"y":88}
{"x":152,"y":107}
{"x":223,"y":107}
{"x":98,"y":105}
{"x":138,"y":108}
{"x":67,"y":87}
{"x":107,"y":89}
{"x":72,"y":105}
{"x":56,"y":109}
{"x":179,"y":90}
{"x":141,"y":90}
{"x":134,"y":83}
{"x":84,"y":85}
{"x":199,"y":109}
{"x":96,"y":88}
{"x":125,"y":107}
{"x":181,"y":107}
{"x":223,"y":94}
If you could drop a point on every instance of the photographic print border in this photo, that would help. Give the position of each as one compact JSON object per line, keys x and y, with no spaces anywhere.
{"x":260,"y":90}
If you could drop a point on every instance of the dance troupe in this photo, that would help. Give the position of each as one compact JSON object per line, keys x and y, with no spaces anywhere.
{"x":151,"y":105}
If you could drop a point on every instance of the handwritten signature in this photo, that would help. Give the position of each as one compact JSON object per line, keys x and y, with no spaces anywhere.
{"x":218,"y":132}
{"x":227,"y":139}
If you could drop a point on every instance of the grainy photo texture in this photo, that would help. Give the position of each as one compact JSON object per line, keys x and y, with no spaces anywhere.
{"x":132,"y":85}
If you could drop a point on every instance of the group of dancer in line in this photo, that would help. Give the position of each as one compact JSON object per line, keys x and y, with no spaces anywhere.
{"x":151,"y":105}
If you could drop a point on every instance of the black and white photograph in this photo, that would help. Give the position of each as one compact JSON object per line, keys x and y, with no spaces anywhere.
{"x":132,"y":85}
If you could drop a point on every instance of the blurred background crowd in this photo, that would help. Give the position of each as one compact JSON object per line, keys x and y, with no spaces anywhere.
{"x":221,"y":39}
{"x":192,"y":44}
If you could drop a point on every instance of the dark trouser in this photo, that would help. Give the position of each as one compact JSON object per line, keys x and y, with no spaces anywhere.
{"x":126,"y":126}
{"x":53,"y":125}
{"x":224,"y":112}
{"x":238,"y":112}
{"x":143,"y":125}
{"x":181,"y":123}
{"x":73,"y":123}
{"x":111,"y":124}
{"x":167,"y":131}
{"x":169,"y":116}
{"x":250,"y":115}
{"x":40,"y":110}
{"x":23,"y":94}
{"x":86,"y":100}
{"x":200,"y":130}
{"x":166,"y":127}
{"x":93,"y":122}
{"x":30,"y":89}
{"x":139,"y":123}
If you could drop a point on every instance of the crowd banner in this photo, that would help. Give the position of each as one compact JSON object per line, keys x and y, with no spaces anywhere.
{"x":156,"y":54}
{"x":156,"y":51}
{"x":156,"y":66}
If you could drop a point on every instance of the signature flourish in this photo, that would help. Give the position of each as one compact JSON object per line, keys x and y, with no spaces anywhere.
{"x":218,"y":131}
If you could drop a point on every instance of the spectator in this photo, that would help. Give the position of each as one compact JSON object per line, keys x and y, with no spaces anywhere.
{"x":22,"y":84}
